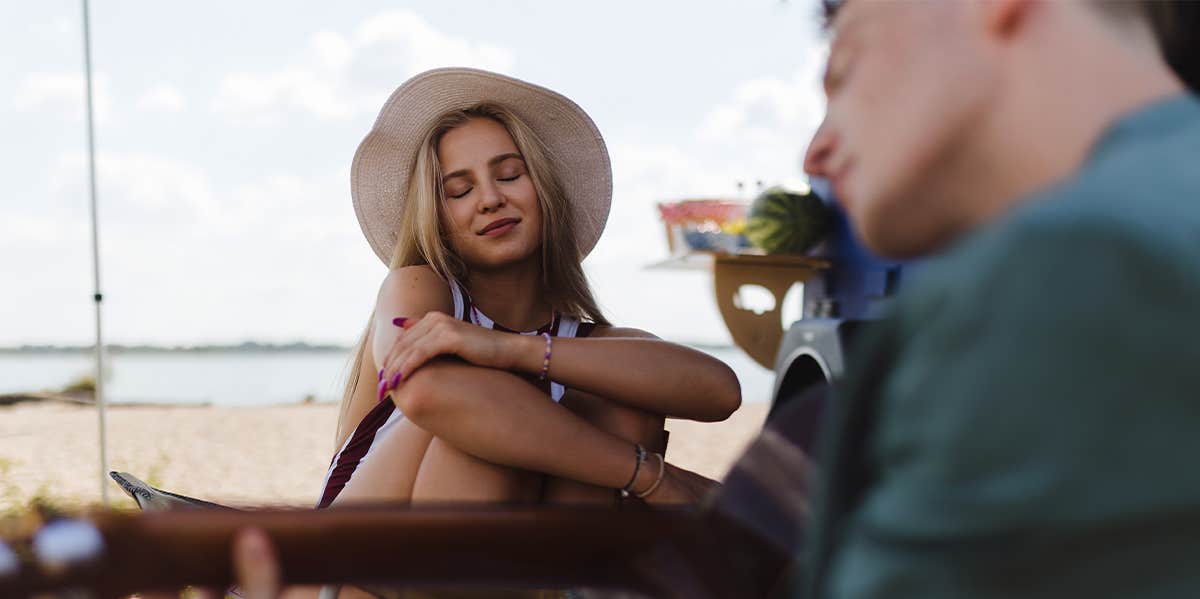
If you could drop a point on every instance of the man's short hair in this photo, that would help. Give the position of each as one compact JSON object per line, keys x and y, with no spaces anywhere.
{"x":1122,"y":10}
{"x":1176,"y":24}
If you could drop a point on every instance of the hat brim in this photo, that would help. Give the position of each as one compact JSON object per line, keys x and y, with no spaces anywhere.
{"x":384,"y":161}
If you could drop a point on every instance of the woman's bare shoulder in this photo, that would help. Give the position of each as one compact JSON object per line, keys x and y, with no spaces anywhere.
{"x":407,"y":292}
{"x":415,"y":290}
{"x":621,"y":333}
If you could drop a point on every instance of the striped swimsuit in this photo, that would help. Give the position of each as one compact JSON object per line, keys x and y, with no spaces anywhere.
{"x":382,"y":419}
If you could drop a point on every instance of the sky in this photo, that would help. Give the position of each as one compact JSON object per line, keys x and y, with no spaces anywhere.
{"x":225,"y":131}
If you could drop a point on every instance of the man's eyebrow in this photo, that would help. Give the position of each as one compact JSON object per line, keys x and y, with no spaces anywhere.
{"x":829,"y":11}
{"x":834,"y":48}
{"x":493,"y":162}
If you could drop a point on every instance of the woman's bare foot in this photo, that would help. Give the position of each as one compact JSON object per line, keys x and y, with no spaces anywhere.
{"x":681,"y":487}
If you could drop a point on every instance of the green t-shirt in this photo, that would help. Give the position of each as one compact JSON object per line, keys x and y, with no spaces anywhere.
{"x":1027,"y":421}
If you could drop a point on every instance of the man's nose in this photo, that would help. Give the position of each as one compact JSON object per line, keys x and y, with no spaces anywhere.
{"x":816,"y":158}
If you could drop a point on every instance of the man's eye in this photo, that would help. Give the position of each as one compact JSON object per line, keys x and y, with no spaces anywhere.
{"x":512,"y":178}
{"x":837,"y":71}
{"x":468,"y":190}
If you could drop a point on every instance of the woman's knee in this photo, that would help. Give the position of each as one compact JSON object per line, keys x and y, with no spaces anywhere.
{"x":417,"y":396}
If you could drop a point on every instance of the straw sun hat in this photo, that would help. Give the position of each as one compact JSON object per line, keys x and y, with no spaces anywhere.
{"x":385,"y":158}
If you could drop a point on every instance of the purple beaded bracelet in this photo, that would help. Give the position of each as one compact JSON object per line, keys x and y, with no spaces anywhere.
{"x":546,"y":363}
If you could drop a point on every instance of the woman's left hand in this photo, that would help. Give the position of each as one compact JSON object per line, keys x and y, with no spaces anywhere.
{"x":439,"y":334}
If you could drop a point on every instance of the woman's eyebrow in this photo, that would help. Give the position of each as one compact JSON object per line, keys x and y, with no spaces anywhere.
{"x":502,"y":157}
{"x":493,"y":162}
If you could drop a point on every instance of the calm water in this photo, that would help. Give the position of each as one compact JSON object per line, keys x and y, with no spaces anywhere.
{"x":245,"y":378}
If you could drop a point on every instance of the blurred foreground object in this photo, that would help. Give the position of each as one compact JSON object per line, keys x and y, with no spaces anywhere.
{"x":741,"y":542}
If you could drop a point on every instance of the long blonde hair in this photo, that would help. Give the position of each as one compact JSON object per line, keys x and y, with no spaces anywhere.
{"x":422,"y":241}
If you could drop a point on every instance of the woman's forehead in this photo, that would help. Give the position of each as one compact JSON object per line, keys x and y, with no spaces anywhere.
{"x":474,"y":143}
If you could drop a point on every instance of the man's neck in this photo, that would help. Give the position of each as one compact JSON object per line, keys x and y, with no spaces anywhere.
{"x":1064,"y":88}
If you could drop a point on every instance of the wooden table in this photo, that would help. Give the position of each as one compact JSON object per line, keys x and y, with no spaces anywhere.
{"x":757,"y":334}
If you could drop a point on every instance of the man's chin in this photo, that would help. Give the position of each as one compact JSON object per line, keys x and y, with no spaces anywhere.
{"x":894,"y":239}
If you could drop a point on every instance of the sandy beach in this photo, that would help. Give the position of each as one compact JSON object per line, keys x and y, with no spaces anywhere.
{"x":245,"y":456}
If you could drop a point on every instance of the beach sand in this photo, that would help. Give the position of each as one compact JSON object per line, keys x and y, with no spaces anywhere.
{"x":243,"y":456}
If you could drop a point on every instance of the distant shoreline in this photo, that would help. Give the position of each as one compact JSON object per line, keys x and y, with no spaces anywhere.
{"x":245,"y":347}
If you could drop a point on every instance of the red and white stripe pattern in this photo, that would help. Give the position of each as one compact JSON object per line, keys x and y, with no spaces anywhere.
{"x":384,"y":416}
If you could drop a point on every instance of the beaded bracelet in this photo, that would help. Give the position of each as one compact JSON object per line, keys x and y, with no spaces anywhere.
{"x":546,"y":363}
{"x":641,"y":457}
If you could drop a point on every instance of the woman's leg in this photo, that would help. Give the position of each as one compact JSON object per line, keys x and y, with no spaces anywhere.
{"x":631,"y":424}
{"x":408,"y":463}
{"x":389,"y":472}
{"x":449,"y":475}
{"x":499,"y":420}
{"x":503,"y":419}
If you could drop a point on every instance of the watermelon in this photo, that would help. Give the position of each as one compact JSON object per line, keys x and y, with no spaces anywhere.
{"x":786,"y":222}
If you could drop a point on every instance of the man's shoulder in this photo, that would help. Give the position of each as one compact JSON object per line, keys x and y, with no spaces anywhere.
{"x":1134,"y":207}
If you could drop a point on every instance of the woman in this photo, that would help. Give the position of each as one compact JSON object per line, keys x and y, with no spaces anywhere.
{"x":483,"y":193}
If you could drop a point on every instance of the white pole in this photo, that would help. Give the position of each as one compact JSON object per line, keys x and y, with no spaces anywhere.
{"x":96,"y":296}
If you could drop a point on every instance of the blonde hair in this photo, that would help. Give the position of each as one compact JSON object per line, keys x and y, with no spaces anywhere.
{"x":421,"y":240}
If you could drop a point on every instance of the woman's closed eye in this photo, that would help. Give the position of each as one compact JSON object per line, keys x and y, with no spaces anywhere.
{"x":512,"y":178}
{"x":462,"y":194}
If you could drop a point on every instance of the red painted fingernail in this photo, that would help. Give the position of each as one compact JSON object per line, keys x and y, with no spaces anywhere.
{"x":382,"y":389}
{"x":396,"y":379}
{"x":380,"y":374}
{"x":399,"y":321}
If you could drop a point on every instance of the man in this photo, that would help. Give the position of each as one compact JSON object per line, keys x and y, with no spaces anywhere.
{"x":1026,"y":422}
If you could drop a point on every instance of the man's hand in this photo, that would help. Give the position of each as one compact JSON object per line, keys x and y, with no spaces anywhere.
{"x":255,"y":564}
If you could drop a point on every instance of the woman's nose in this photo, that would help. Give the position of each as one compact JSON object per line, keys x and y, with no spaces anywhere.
{"x":490,"y":199}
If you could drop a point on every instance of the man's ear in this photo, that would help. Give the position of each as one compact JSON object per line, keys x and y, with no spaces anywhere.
{"x":1004,"y":17}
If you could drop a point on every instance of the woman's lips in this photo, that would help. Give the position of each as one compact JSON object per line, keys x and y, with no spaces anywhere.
{"x":499,"y":227}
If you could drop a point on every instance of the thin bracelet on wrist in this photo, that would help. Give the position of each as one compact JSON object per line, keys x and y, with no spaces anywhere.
{"x":640,"y":453}
{"x":662,"y":469}
{"x":546,"y":359}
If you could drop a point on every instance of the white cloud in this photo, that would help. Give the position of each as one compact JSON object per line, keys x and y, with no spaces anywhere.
{"x":60,"y":29}
{"x":163,"y":98}
{"x":770,"y":120}
{"x":63,"y":92}
{"x":186,"y":256}
{"x":756,"y":135}
{"x":138,"y":189}
{"x":343,"y":75}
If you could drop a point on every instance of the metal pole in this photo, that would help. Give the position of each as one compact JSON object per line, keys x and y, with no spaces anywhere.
{"x":96,"y":296}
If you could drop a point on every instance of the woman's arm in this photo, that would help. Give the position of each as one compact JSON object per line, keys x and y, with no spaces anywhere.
{"x":500,"y":417}
{"x":636,"y":368}
{"x":496,"y":415}
{"x":624,"y":365}
{"x":412,"y":292}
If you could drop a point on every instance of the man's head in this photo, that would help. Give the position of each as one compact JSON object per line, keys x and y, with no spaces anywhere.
{"x":941,"y":114}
